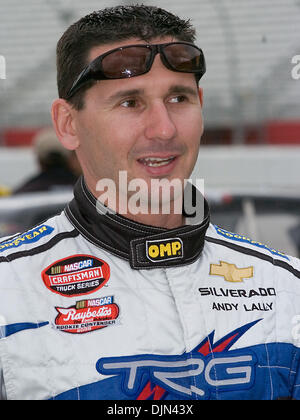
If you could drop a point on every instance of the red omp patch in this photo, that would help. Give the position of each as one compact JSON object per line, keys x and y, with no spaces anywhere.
{"x":76,"y":275}
{"x":87,"y":315}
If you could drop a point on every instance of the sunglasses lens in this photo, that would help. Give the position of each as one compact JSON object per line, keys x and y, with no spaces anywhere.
{"x":184,"y":58}
{"x":126,"y":62}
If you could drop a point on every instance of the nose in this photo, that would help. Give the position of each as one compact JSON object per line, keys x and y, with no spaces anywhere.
{"x":159,"y":123}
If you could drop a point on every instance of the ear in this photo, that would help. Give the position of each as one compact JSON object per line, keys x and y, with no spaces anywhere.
{"x":200,"y":92}
{"x":63,"y":121}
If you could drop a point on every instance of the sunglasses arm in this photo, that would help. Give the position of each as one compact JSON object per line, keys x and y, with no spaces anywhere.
{"x":83,"y":77}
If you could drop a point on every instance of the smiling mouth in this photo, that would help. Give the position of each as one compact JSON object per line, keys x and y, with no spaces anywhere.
{"x":156,"y":161}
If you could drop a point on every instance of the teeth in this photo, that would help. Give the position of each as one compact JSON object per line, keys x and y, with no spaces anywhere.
{"x":156,"y":161}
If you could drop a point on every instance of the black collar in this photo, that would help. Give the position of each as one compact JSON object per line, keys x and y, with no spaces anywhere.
{"x":144,"y":246}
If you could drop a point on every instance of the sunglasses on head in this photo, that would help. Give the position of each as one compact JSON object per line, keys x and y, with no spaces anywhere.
{"x":135,"y":60}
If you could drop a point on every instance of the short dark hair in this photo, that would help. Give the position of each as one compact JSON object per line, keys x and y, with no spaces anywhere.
{"x":109,"y":25}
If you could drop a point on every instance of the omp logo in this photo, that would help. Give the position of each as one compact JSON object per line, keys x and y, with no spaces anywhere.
{"x":165,"y":249}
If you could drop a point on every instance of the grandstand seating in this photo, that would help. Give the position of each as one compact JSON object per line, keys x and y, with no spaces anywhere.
{"x":248,"y":46}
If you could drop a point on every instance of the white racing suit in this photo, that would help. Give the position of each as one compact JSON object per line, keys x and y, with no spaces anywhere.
{"x":98,"y":307}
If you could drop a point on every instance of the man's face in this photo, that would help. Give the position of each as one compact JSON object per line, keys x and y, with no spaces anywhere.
{"x":149,"y":126}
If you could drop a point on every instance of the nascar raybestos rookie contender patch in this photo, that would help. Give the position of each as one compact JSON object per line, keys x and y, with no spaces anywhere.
{"x":76,"y":275}
{"x":87,"y":315}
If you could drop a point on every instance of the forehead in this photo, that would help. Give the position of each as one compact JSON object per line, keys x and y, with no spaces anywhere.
{"x":101,"y":49}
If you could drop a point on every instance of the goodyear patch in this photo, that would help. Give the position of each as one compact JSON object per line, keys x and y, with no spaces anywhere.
{"x":164,"y":250}
{"x":241,"y":238}
{"x":28,"y":237}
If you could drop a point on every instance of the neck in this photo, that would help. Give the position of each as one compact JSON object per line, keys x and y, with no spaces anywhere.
{"x":166,"y":215}
{"x":167,"y":221}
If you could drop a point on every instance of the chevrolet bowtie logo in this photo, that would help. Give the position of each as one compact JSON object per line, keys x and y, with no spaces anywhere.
{"x":231,"y":272}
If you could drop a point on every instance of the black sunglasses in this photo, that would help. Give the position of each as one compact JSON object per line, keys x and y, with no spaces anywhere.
{"x":135,"y":60}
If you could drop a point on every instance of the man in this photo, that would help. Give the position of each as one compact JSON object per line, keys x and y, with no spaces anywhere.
{"x":114,"y":303}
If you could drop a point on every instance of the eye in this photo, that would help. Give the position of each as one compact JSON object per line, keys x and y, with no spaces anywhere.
{"x":178,"y":99}
{"x":129,"y":103}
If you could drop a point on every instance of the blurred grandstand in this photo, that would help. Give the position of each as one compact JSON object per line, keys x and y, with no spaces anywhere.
{"x":249,"y":93}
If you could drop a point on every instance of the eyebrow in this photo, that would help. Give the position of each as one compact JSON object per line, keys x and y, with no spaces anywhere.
{"x":123,"y":93}
{"x":182,"y":89}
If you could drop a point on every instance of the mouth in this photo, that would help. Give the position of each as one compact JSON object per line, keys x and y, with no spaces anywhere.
{"x":156,"y":162}
{"x":158,"y":166}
